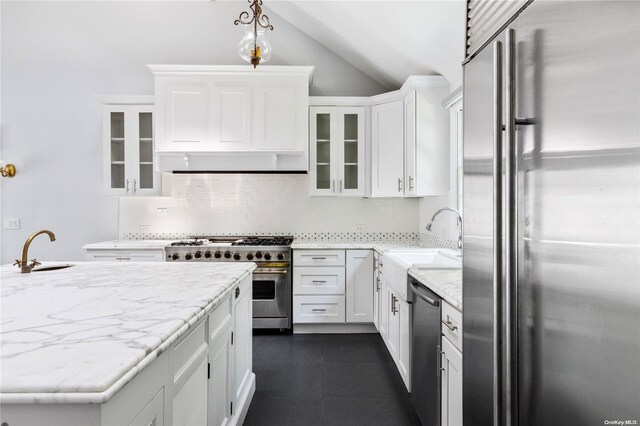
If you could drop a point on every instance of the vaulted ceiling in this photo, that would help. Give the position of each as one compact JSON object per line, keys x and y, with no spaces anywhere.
{"x":386,"y":40}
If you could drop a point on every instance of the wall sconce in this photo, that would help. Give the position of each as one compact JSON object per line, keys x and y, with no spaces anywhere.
{"x":8,"y":171}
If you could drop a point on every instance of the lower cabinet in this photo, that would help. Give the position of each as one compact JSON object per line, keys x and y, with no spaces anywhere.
{"x":190,"y":396}
{"x":451,"y":384}
{"x":153,"y":413}
{"x":376,"y":291}
{"x":242,"y":340}
{"x":221,"y":379}
{"x":398,"y":337}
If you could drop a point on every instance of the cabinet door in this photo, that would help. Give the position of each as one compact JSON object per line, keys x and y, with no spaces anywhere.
{"x":383,"y":310}
{"x":114,"y":153}
{"x":153,"y":413}
{"x":393,"y":336}
{"x":190,"y":397}
{"x":350,"y":142}
{"x":232,"y":118}
{"x":451,"y":384}
{"x":276,"y":118}
{"x":186,"y":118}
{"x":323,"y":155}
{"x":221,"y":379}
{"x":376,"y":292}
{"x":404,"y":346}
{"x":145,"y":180}
{"x":360,"y":286}
{"x":410,"y":143}
{"x":387,"y":145}
{"x":242,"y":338}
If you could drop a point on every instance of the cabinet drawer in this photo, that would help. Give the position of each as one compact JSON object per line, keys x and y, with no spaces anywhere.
{"x":318,"y":280}
{"x":452,"y":324}
{"x":318,"y":309}
{"x":189,"y":350}
{"x":243,"y":288}
{"x":318,"y":258}
{"x":125,"y":256}
{"x":220,"y":319}
{"x":152,"y":413}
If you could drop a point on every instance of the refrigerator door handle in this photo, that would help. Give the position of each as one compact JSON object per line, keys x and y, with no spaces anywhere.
{"x":510,"y":295}
{"x":497,"y":232}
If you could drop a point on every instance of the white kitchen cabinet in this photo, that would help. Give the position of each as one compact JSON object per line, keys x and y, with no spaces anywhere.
{"x":190,"y":396}
{"x":153,"y":413}
{"x":252,"y":119}
{"x":387,"y":149}
{"x":451,"y":382}
{"x":337,"y":150}
{"x":360,"y":286}
{"x":312,"y":280}
{"x":376,"y":292}
{"x":383,"y":309}
{"x":393,"y":324}
{"x":128,"y":147}
{"x":397,"y":328}
{"x":221,"y":385}
{"x":242,"y":339}
{"x":318,"y":309}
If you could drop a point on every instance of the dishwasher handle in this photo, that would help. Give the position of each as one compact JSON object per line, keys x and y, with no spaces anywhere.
{"x":416,"y":290}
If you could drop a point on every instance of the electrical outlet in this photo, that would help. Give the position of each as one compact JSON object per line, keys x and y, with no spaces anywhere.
{"x":361,"y":228}
{"x":162,"y":211}
{"x":12,"y":224}
{"x":145,"y":229}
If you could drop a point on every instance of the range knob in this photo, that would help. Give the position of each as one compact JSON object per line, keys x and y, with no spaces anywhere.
{"x":175,"y":256}
{"x":188,"y":256}
{"x":198,"y":255}
{"x":217,"y":255}
{"x":236,"y":256}
{"x":280,"y":256}
{"x":227,"y":255}
{"x":207,"y":254}
{"x":267,"y":256}
{"x":249,"y":256}
{"x":258,"y":255}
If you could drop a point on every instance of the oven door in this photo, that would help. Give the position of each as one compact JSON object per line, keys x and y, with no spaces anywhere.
{"x":271,"y":296}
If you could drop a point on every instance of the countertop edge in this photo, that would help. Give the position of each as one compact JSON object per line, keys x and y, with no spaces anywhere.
{"x":107,"y":394}
{"x":453,"y":302}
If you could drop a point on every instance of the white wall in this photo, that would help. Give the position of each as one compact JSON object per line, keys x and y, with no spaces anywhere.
{"x":213,"y":204}
{"x":56,"y":57}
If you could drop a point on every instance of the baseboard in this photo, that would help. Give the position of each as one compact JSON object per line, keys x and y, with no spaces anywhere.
{"x":245,"y":401}
{"x":333,"y":328}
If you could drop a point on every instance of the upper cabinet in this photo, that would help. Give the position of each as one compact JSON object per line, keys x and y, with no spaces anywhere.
{"x":231,"y":117}
{"x":410,"y":140}
{"x":337,"y":150}
{"x":128,"y":147}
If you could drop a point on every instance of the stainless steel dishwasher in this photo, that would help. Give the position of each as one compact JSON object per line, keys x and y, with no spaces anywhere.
{"x":425,"y":355}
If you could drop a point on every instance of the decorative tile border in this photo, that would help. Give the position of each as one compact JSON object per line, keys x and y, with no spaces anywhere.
{"x":430,"y":240}
{"x":338,"y":237}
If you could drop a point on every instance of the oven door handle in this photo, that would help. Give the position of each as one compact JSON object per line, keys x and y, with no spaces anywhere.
{"x":270,"y":272}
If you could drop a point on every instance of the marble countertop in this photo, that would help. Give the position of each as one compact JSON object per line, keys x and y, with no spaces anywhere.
{"x":446,"y":283}
{"x":128,"y":244}
{"x":379,"y":246}
{"x":78,"y":335}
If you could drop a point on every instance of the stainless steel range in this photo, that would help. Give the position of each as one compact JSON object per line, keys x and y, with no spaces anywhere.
{"x":271,"y":279}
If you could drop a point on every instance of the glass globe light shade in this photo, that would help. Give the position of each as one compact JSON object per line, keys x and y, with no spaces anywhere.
{"x":248,"y":44}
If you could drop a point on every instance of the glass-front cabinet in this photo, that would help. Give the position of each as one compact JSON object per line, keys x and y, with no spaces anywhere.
{"x":128,"y":150}
{"x":337,"y":150}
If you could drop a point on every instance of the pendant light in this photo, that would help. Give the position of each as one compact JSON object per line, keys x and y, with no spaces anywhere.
{"x":254,"y":46}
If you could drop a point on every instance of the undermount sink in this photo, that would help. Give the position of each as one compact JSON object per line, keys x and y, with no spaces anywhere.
{"x":51,"y":268}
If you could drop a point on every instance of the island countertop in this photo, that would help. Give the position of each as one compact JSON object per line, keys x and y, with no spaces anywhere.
{"x":80,"y":334}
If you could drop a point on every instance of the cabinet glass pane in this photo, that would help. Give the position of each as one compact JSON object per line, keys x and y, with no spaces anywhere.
{"x":350,"y":152}
{"x":351,"y":127}
{"x":145,"y":125}
{"x":323,"y":176}
{"x":350,"y":176}
{"x":323,"y":152}
{"x":323,"y":127}
{"x":117,"y":150}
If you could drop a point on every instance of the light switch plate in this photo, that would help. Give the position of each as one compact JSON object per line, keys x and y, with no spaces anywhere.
{"x":145,"y":229}
{"x":12,"y":224}
{"x":361,"y":228}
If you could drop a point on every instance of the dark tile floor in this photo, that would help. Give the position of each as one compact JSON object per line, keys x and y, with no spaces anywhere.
{"x":329,"y":379}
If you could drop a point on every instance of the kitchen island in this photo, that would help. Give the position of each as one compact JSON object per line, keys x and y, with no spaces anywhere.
{"x":126,"y":343}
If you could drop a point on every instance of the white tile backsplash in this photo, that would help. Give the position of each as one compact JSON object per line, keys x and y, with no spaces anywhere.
{"x":260,"y":204}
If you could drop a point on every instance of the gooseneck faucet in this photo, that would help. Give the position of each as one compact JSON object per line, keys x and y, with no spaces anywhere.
{"x":25,"y":267}
{"x":430,"y":224}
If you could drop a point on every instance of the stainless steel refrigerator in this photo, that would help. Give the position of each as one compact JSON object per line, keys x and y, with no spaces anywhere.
{"x":551,"y":267}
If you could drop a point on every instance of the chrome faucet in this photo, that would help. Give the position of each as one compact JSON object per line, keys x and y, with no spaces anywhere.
{"x":430,"y":224}
{"x":25,"y":267}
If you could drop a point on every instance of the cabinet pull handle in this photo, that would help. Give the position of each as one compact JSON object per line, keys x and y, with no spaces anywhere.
{"x":438,"y":359}
{"x":399,"y":185}
{"x":341,"y":186}
{"x":127,"y":186}
{"x":318,"y":282}
{"x":123,"y":258}
{"x":410,"y":183}
{"x":333,"y":185}
{"x":450,"y":325}
{"x":318,"y":310}
{"x":134,"y":186}
{"x":319,"y":258}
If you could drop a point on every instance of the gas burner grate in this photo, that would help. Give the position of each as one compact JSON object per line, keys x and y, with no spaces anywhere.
{"x":189,"y":243}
